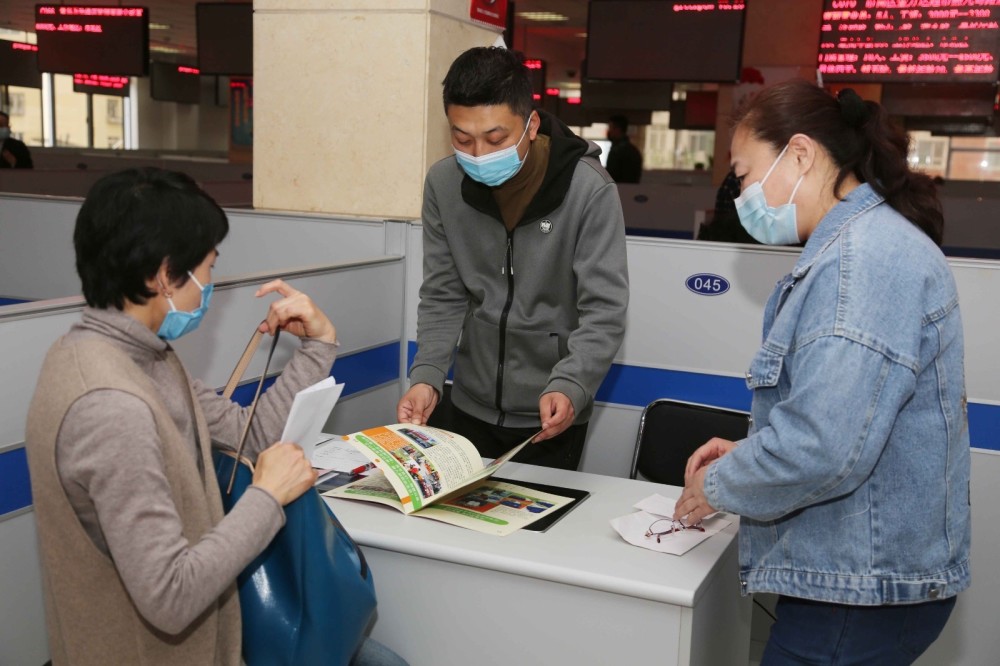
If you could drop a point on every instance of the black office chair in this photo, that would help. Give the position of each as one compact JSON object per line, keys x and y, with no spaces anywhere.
{"x":671,"y":430}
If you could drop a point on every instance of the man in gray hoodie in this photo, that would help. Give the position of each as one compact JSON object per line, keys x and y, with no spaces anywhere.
{"x":524,"y":269}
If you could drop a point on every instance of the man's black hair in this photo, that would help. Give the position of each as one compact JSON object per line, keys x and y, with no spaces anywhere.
{"x":489,"y":76}
{"x":619,"y":121}
{"x":131,"y":221}
{"x":5,"y":115}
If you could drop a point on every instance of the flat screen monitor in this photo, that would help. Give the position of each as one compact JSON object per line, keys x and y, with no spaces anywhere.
{"x":664,"y":40}
{"x":919,"y":40}
{"x":94,"y":39}
{"x":170,"y":82}
{"x":101,"y":84}
{"x":225,"y":38}
{"x":19,"y":65}
{"x":645,"y":95}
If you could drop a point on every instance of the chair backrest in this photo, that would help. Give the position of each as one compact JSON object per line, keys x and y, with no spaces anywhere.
{"x":671,"y":430}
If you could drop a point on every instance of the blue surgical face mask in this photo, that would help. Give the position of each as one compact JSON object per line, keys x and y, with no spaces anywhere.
{"x":493,"y":169}
{"x":768,"y":224}
{"x":178,"y":323}
{"x":4,"y":133}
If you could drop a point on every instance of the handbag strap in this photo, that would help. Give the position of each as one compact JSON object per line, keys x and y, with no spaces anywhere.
{"x":241,"y":367}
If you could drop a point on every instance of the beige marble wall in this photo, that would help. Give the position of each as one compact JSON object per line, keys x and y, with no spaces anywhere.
{"x":347,"y":101}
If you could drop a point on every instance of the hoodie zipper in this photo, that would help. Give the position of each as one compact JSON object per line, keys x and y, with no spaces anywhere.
{"x":506,"y":269}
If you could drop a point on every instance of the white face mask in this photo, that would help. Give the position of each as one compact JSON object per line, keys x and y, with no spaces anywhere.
{"x":4,"y":133}
{"x":768,"y":224}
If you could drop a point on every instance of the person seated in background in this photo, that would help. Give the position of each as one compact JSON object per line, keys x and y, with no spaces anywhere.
{"x":624,"y":159}
{"x":725,"y":223}
{"x":13,"y":153}
{"x":138,"y":558}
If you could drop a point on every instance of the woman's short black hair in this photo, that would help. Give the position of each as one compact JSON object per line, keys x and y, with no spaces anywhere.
{"x":489,"y":76}
{"x":131,"y":221}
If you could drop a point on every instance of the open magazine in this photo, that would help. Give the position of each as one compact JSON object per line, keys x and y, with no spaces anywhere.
{"x":437,"y":474}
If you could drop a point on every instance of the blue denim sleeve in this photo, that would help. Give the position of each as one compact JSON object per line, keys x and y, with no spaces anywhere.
{"x":822,"y":437}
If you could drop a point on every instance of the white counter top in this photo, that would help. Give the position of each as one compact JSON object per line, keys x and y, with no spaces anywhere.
{"x":581,"y":549}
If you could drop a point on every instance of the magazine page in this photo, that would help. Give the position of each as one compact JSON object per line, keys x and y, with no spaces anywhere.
{"x":496,"y":463}
{"x":494,"y":507}
{"x":491,"y":507}
{"x":421,"y":462}
{"x":373,"y":488}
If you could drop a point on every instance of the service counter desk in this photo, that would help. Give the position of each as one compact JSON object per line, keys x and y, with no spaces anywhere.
{"x":575,"y":594}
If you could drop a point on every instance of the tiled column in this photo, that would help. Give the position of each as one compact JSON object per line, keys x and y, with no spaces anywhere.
{"x":347,"y":101}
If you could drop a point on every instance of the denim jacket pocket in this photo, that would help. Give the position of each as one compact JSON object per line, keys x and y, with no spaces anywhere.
{"x":765,"y":369}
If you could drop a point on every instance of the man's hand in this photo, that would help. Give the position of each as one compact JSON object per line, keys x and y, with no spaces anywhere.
{"x":417,"y":404}
{"x":9,"y":158}
{"x":557,"y":414}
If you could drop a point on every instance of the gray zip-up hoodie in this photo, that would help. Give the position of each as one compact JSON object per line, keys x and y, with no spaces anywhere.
{"x":539,"y":309}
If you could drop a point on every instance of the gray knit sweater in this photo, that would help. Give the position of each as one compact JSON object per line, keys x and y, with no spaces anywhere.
{"x":109,"y":463}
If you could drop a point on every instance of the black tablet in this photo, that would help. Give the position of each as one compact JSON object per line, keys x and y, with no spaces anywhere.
{"x":543,"y":524}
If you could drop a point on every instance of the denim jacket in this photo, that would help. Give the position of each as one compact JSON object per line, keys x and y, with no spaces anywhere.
{"x":853,"y":485}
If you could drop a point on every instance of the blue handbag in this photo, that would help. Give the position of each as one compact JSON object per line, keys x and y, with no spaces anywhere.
{"x":309,"y":597}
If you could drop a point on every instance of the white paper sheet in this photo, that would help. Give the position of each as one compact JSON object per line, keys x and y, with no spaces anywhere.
{"x":338,"y":455}
{"x":310,"y":410}
{"x":632,"y":527}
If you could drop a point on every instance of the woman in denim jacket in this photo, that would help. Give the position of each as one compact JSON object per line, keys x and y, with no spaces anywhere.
{"x":853,"y":484}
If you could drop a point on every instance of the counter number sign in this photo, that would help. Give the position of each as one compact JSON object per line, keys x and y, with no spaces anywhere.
{"x":707,"y":284}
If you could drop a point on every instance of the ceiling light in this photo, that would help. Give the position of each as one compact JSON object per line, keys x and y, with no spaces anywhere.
{"x":580,"y":34}
{"x":547,"y":17}
{"x":160,"y":26}
{"x":166,"y":49}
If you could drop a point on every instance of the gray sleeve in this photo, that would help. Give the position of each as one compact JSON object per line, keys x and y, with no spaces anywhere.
{"x":600,"y":266}
{"x":444,"y":301}
{"x":108,"y":453}
{"x":309,"y":364}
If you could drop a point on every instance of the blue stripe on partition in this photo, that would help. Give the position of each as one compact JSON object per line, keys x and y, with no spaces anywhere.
{"x":624,"y":385}
{"x":411,"y":352}
{"x":13,"y":301}
{"x":15,"y":486}
{"x":638,"y":386}
{"x":984,"y":426}
{"x":358,"y":372}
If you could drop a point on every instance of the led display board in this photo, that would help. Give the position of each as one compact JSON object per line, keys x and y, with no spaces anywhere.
{"x":892,"y":41}
{"x":94,"y":39}
{"x":101,"y":84}
{"x":170,"y":82}
{"x":19,"y":65}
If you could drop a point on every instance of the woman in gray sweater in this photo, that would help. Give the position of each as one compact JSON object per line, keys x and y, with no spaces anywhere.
{"x":139,"y":561}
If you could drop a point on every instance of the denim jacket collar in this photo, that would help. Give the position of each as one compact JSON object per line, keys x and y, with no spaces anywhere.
{"x":859,"y":200}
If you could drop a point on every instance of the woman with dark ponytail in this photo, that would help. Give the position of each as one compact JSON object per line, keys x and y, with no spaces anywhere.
{"x":853,"y":484}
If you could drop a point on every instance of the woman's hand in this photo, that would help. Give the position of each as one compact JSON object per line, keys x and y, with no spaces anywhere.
{"x":692,"y":505}
{"x":708,"y":452}
{"x":295,"y":313}
{"x":283,"y":471}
